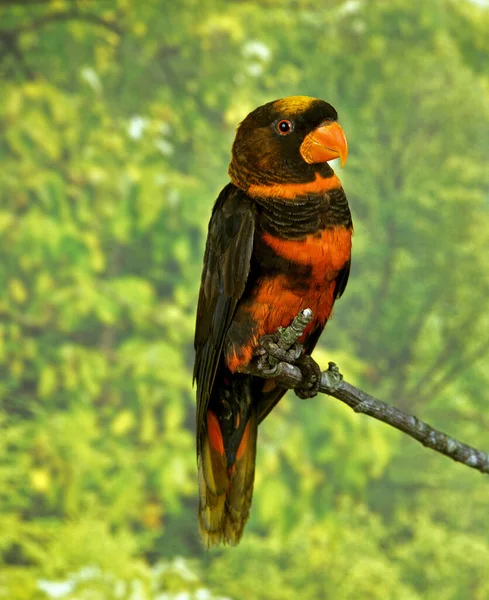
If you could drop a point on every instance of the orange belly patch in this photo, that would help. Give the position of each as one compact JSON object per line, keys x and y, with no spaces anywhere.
{"x":276,"y":305}
{"x":277,"y":302}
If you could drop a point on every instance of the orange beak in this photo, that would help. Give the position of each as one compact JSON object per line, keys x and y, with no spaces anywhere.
{"x":325,"y":143}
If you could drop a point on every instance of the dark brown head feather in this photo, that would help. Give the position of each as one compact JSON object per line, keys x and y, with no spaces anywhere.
{"x":262,"y":156}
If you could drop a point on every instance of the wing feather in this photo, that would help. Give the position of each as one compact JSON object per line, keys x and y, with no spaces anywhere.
{"x":226,"y":268}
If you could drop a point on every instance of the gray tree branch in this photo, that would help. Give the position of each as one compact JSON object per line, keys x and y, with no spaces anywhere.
{"x":290,"y":376}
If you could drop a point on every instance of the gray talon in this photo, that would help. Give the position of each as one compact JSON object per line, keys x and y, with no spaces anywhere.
{"x":311,"y":377}
{"x":282,"y":347}
{"x":265,"y":368}
{"x":273,"y":353}
{"x":295,"y":352}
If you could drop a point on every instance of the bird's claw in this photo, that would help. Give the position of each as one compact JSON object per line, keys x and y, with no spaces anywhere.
{"x":311,"y":377}
{"x":269,"y":356}
{"x":269,"y":350}
{"x":294,"y":352}
{"x":264,"y":366}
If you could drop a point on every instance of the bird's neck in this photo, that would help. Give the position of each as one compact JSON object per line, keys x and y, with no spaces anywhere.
{"x":291,"y":219}
{"x":296,"y":209}
{"x":304,"y":215}
{"x":248,"y":175}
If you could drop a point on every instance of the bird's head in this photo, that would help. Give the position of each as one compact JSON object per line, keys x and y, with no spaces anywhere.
{"x":287,"y":141}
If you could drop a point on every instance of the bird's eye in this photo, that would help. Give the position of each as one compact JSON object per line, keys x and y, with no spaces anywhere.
{"x":284,"y":127}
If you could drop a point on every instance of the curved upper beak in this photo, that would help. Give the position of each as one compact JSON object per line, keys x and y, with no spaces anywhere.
{"x":325,"y":143}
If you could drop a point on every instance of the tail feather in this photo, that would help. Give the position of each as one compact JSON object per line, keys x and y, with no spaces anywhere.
{"x":213,"y":483}
{"x":226,"y":476}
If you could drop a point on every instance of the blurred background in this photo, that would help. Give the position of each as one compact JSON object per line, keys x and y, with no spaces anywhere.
{"x":116,"y":121}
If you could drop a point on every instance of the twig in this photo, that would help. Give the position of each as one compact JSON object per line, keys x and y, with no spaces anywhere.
{"x":70,"y":15}
{"x":289,"y":376}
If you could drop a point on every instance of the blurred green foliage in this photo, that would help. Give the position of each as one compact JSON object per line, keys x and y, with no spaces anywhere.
{"x":116,"y":120}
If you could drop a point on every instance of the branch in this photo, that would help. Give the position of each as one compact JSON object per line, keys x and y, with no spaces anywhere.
{"x":9,"y":38}
{"x":16,"y":2}
{"x":71,"y":15}
{"x":9,"y":44}
{"x":289,"y":375}
{"x":466,"y":361}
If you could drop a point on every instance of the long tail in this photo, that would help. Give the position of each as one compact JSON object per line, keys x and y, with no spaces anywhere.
{"x":226,"y":461}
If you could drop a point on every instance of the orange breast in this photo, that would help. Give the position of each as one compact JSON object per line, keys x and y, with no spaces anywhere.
{"x":278,"y":299}
{"x":326,"y":252}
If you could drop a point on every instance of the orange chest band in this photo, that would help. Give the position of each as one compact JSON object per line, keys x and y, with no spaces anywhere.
{"x":290,"y":191}
{"x":327,"y":251}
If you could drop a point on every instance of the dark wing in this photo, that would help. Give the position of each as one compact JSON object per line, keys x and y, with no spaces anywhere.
{"x":226,"y":267}
{"x":342,"y":280}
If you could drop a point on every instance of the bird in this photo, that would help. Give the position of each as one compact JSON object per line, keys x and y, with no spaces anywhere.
{"x":279,"y":241}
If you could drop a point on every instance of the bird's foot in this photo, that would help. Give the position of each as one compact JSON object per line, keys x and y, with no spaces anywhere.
{"x":311,"y":377}
{"x":270,"y":353}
